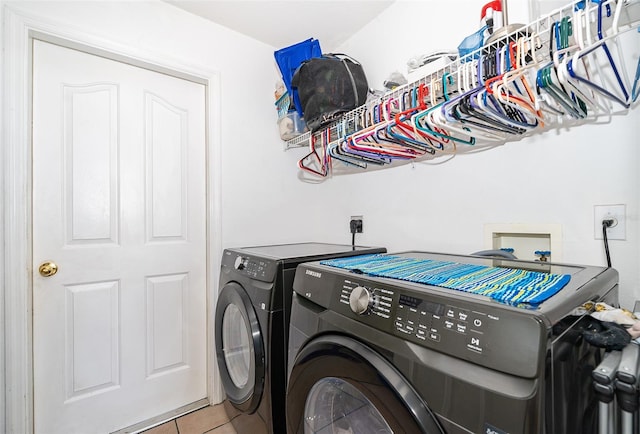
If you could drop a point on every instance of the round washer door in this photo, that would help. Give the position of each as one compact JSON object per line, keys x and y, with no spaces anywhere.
{"x":239,"y":348}
{"x":339,"y":385}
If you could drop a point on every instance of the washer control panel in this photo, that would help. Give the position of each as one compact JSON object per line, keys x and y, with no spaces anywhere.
{"x":366,"y":301}
{"x":253,"y":267}
{"x":478,"y":332}
{"x":361,"y":301}
{"x":431,"y":321}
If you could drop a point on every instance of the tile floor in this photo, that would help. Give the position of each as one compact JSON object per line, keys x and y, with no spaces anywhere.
{"x":209,"y":420}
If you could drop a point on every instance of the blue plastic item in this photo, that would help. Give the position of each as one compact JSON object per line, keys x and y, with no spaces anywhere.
{"x":471,"y":44}
{"x":290,"y":58}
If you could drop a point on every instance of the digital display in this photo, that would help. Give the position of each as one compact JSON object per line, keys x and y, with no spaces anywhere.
{"x":418,"y":303}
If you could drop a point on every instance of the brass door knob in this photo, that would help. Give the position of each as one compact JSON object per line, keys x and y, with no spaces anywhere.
{"x":48,"y":269}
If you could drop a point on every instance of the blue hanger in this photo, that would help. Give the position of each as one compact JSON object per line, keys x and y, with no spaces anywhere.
{"x":334,"y":152}
{"x":457,"y":112}
{"x":634,"y":91}
{"x":545,"y":76}
{"x":601,"y":43}
{"x":419,"y":123}
{"x":394,"y":129}
{"x":483,"y":110}
{"x":504,"y":116}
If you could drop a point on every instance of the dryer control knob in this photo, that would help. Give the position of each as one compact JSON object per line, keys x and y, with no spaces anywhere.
{"x":240,"y":263}
{"x":360,"y":300}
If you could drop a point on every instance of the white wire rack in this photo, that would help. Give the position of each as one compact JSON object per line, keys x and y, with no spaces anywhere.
{"x":351,"y":121}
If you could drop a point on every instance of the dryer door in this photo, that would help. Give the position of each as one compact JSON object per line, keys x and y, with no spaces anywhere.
{"x":339,"y":385}
{"x":239,"y":348}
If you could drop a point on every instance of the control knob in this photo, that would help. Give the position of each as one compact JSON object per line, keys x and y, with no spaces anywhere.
{"x":240,"y":263}
{"x":361,"y":300}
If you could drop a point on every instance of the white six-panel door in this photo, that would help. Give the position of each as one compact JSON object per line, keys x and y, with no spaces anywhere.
{"x":119,"y":205}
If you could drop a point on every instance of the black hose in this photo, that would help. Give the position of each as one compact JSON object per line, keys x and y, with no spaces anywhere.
{"x":605,"y":225}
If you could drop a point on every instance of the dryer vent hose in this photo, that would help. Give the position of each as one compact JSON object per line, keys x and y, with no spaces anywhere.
{"x":495,"y":254}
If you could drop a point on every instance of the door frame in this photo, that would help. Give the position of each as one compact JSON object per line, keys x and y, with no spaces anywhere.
{"x":16,"y":293}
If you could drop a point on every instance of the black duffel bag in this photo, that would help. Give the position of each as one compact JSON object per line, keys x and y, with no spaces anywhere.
{"x":329,"y":86}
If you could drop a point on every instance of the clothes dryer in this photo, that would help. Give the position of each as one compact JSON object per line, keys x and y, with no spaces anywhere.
{"x":373,"y":353}
{"x":251,"y":328}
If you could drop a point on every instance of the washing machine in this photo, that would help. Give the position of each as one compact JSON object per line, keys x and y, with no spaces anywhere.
{"x":251,"y":328}
{"x":375,"y":349}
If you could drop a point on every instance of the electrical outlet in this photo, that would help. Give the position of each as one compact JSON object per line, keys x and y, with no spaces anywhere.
{"x":355,"y":224}
{"x":617,"y":213}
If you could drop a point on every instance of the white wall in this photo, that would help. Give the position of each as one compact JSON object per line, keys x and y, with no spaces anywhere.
{"x":262,"y":199}
{"x":553,"y":178}
{"x":556,"y":177}
{"x":257,"y":178}
{"x":2,"y":271}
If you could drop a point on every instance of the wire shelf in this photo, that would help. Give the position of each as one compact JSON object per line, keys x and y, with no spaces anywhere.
{"x":352,"y":121}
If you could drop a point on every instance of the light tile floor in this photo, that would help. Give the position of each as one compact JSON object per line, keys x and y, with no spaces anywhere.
{"x":209,"y":420}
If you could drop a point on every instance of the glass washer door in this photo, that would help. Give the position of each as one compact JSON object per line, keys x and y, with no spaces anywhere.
{"x":339,"y":385}
{"x":239,"y":348}
{"x":335,"y":406}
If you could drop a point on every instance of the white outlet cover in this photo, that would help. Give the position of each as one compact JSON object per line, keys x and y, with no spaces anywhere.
{"x":619,"y":213}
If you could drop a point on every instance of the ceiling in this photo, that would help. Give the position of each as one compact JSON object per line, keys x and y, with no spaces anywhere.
{"x":284,"y":23}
